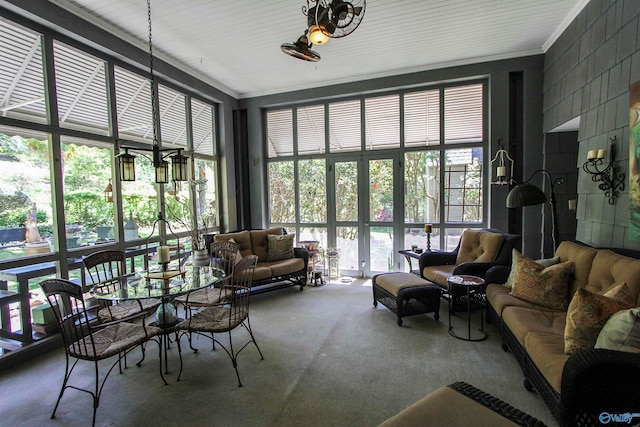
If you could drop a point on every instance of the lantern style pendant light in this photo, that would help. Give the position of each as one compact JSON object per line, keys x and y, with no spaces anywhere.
{"x":179,"y":169}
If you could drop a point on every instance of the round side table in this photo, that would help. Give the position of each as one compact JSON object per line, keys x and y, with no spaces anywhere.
{"x":470,"y":283}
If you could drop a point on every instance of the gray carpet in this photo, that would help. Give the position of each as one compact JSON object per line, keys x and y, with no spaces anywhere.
{"x":330,"y":359}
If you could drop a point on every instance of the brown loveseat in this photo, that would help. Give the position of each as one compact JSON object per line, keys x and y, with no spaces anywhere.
{"x":274,"y":270}
{"x":591,"y":384}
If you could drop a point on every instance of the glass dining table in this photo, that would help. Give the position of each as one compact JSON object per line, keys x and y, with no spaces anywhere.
{"x":164,"y":285}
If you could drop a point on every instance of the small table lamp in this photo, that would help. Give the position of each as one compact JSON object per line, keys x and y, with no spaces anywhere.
{"x":427,"y":230}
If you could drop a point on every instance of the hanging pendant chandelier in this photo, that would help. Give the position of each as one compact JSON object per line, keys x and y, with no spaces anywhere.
{"x":179,"y":169}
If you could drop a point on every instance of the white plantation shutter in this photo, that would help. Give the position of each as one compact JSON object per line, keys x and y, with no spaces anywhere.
{"x":344,"y":126}
{"x":422,"y":118}
{"x":21,"y":74}
{"x":382,"y":122}
{"x":463,"y":114}
{"x":133,"y":102}
{"x":203,"y":123}
{"x":82,"y":90}
{"x":311,"y":132}
{"x":280,"y":133}
{"x":173,"y":117}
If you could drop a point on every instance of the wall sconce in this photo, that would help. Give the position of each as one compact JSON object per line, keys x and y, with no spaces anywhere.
{"x":609,"y":176}
{"x":501,"y":168}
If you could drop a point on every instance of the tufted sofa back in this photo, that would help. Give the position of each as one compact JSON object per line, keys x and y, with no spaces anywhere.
{"x":478,"y":246}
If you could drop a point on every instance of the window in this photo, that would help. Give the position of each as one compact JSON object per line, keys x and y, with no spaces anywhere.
{"x":204,"y":130}
{"x":26,"y":198}
{"x":436,"y":135}
{"x":81,"y":89}
{"x":173,"y":118}
{"x":21,"y":76}
{"x":133,"y":100}
{"x":344,"y":126}
{"x":89,"y":216}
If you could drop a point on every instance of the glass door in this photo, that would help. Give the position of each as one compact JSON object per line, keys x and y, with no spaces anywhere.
{"x":363,"y":215}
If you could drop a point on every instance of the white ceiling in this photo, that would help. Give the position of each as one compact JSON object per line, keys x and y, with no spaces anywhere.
{"x":235,"y":45}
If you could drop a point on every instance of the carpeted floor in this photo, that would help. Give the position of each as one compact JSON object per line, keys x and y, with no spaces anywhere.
{"x":331,"y":359}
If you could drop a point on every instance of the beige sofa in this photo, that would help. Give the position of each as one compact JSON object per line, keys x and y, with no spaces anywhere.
{"x":588,"y":383}
{"x":270,"y":274}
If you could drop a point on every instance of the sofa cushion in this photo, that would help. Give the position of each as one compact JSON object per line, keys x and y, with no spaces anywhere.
{"x":285,"y":266}
{"x":478,"y":246}
{"x":499,"y":298}
{"x":621,"y":332}
{"x":545,"y":262}
{"x":609,"y":269}
{"x":259,"y":242}
{"x":546,"y":350}
{"x":588,"y":312}
{"x":582,"y":257}
{"x":522,"y":321}
{"x":261,"y":272}
{"x":438,"y":273}
{"x":395,"y":282}
{"x":241,"y":237}
{"x":547,"y":287}
{"x":279,"y":247}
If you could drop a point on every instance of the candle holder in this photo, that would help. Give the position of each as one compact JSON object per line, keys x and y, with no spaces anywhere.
{"x":427,"y":230}
{"x":609,"y":175}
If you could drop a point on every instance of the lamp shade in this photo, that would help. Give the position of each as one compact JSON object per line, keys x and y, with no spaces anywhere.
{"x":127,"y":167}
{"x":179,"y":167}
{"x":316,"y":35}
{"x":162,"y":172}
{"x":525,"y":195}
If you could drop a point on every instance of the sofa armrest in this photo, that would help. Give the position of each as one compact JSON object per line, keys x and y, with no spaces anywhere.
{"x":478,"y":269}
{"x":598,"y":381}
{"x":497,"y":274}
{"x":302,"y":253}
{"x":430,"y":258}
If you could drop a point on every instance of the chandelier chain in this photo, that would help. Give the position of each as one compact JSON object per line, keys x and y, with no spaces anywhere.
{"x":154,"y":107}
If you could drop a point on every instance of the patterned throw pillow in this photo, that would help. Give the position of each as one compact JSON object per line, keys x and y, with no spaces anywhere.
{"x":547,"y":287}
{"x":588,"y":312}
{"x":238,"y":257}
{"x":545,"y":262}
{"x":279,"y":247}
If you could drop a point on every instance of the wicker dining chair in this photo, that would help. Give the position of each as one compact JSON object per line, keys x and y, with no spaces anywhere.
{"x":88,"y":340}
{"x":106,"y":271}
{"x":224,"y":257}
{"x":228,"y":317}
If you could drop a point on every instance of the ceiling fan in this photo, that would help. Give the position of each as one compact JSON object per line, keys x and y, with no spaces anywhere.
{"x":325,"y":19}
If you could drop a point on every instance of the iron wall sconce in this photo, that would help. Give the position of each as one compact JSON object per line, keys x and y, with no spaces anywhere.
{"x":504,"y":174}
{"x":609,"y":176}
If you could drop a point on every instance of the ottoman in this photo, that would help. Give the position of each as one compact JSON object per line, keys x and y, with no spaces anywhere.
{"x":406,"y":294}
{"x":460,"y":404}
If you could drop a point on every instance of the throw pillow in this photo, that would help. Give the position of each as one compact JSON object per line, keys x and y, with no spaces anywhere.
{"x":547,"y":287}
{"x":588,"y":313}
{"x":621,"y":332}
{"x":279,"y":247}
{"x":545,"y":262}
{"x":238,"y":254}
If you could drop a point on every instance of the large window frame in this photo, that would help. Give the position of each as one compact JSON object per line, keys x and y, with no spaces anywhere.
{"x":41,"y":97}
{"x":434,"y":111}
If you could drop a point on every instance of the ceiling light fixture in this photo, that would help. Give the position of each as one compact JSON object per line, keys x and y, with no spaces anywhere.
{"x":325,"y":19}
{"x":178,"y":160}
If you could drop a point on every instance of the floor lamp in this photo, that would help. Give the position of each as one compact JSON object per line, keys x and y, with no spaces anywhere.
{"x":526,"y":194}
